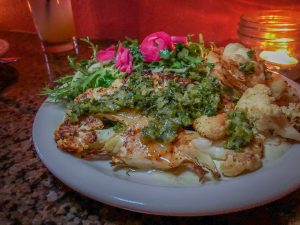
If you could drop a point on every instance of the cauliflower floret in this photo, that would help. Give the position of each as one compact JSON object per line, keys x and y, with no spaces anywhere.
{"x":257,"y":103}
{"x":236,"y":52}
{"x":281,"y":91}
{"x":266,"y":116}
{"x":213,"y":127}
{"x":244,"y":161}
{"x":79,"y":138}
{"x":277,"y":86}
{"x":238,"y":163}
{"x":292,"y":113}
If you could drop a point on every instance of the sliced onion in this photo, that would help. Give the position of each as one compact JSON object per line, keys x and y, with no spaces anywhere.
{"x":129,"y":118}
{"x":288,"y":132}
{"x":114,"y":144}
{"x":206,"y":161}
{"x":205,"y":146}
{"x":105,"y":134}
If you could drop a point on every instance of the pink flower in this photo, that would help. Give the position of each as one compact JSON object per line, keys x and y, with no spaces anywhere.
{"x":107,"y":54}
{"x":179,"y":39}
{"x":124,"y":60}
{"x":153,"y":43}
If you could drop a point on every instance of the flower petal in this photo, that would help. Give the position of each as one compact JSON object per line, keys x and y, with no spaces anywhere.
{"x":179,"y":39}
{"x":153,"y":43}
{"x":107,"y":54}
{"x":124,"y":60}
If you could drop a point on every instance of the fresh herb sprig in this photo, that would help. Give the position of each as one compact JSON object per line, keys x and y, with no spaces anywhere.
{"x":88,"y":74}
{"x":185,"y":60}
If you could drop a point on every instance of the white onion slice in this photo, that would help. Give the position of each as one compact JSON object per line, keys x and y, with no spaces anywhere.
{"x":205,"y":145}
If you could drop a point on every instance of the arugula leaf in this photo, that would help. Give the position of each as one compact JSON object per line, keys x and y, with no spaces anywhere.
{"x":94,"y":47}
{"x":89,"y":74}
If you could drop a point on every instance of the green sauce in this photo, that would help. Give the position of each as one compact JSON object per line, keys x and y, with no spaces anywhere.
{"x":173,"y":106}
{"x":239,"y":131}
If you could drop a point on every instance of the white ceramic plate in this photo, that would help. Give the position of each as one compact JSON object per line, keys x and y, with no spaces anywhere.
{"x":156,"y":193}
{"x":4,"y":46}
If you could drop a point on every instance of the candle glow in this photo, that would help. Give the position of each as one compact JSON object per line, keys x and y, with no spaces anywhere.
{"x":274,"y":36}
{"x":281,"y":57}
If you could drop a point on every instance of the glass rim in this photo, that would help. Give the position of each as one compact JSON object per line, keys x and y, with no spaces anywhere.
{"x":271,"y":17}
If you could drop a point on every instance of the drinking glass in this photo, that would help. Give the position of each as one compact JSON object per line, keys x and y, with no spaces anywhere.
{"x":54,"y":23}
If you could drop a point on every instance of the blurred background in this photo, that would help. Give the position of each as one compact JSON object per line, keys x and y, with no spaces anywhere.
{"x":114,"y":19}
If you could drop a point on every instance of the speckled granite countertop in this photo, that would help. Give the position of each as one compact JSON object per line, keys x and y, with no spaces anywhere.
{"x":30,"y":194}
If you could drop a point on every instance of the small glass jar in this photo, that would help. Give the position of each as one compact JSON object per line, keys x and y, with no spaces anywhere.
{"x":275,"y":37}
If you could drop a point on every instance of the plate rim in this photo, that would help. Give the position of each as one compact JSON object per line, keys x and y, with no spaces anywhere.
{"x":5,"y":48}
{"x":122,"y":195}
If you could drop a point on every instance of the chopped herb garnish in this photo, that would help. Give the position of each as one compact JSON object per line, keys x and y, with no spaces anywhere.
{"x":247,"y":68}
{"x":173,"y":106}
{"x":239,"y":131}
{"x":251,"y":54}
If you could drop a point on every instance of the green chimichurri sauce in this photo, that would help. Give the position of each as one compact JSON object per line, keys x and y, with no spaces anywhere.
{"x":171,"y":106}
{"x":239,"y":131}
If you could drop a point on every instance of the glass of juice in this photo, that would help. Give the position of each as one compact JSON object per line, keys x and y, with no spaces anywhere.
{"x":54,"y":23}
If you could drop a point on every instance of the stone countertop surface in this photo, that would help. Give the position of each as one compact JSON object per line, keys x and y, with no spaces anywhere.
{"x":30,"y":194}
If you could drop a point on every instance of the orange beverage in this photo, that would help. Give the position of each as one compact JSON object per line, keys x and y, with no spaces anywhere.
{"x":54,"y":22}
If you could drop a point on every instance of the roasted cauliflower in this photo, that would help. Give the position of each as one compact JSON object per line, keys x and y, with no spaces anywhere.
{"x":213,"y":127}
{"x":259,"y":105}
